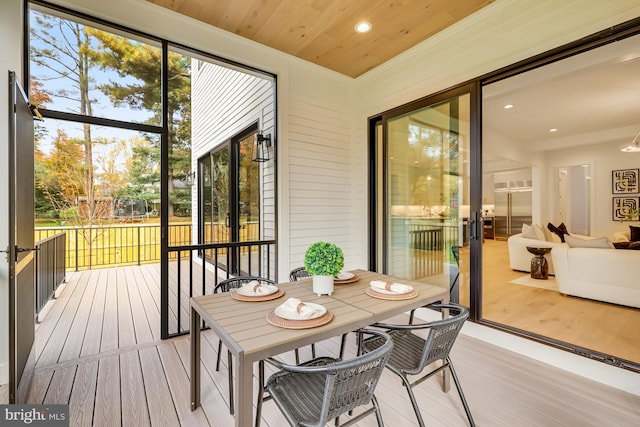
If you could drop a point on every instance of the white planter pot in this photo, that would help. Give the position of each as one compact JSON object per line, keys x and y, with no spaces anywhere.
{"x":323,"y":285}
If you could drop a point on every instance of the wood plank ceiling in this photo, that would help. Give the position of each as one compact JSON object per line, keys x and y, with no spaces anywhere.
{"x":322,"y":31}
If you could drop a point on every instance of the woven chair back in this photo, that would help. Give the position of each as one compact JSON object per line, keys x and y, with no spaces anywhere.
{"x":442,"y":335}
{"x":298,"y":274}
{"x":237,"y":282}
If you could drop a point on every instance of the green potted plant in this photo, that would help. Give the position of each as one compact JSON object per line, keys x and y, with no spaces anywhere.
{"x":323,"y":261}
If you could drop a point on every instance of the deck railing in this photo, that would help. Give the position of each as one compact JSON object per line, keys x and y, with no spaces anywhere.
{"x":50,"y":267}
{"x":192,"y":277}
{"x":130,"y":244}
{"x":115,"y":245}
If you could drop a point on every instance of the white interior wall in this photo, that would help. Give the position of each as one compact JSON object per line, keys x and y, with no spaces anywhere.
{"x":603,"y":159}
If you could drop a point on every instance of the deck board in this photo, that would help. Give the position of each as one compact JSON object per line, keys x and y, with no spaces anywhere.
{"x":49,"y":326}
{"x":161,"y":406}
{"x":178,"y":382}
{"x":133,"y":391}
{"x":110,"y":320}
{"x":144,"y":381}
{"x":60,"y":385}
{"x":91,"y":343}
{"x":83,"y":395}
{"x":141,"y":325}
{"x":107,"y":404}
{"x":77,"y":332}
{"x":126,"y":330}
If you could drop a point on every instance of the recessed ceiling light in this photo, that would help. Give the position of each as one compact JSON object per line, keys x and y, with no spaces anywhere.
{"x":553,"y":130}
{"x":508,"y":106}
{"x":363,"y":27}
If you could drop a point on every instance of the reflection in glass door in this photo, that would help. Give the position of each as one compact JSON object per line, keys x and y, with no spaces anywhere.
{"x":230,"y":202}
{"x":427,"y":195}
{"x":214,"y":201}
{"x":248,"y":215}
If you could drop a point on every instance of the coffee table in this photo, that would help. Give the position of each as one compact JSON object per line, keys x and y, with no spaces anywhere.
{"x":539,"y":264}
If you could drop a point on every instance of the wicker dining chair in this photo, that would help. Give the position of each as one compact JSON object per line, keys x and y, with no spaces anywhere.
{"x":226,"y":286}
{"x":315,"y":392}
{"x":412,"y":354}
{"x":298,"y":274}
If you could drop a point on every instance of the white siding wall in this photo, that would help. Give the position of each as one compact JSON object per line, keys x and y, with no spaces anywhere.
{"x":319,"y":171}
{"x":224,"y":103}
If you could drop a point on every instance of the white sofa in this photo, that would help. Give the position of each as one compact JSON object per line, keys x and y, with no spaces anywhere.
{"x":610,"y":275}
{"x":520,"y":258}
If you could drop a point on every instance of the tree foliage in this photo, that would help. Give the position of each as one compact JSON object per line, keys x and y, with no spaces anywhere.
{"x":129,"y":58}
{"x":73,"y":62}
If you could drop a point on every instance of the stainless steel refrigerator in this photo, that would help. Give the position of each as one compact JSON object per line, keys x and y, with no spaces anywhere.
{"x":512,"y":202}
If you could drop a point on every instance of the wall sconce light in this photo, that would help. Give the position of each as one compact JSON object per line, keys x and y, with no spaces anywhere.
{"x":261,"y":144}
{"x":190,"y":178}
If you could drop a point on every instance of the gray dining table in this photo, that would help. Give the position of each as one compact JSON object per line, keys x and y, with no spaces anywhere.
{"x":243,"y":327}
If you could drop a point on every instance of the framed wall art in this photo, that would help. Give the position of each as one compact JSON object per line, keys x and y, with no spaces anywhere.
{"x":625,"y":181}
{"x":626,"y":208}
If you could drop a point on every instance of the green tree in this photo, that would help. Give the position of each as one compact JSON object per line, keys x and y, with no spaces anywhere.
{"x":63,"y":48}
{"x":143,"y":168}
{"x":130,"y":58}
{"x":43,"y":207}
{"x":63,"y":182}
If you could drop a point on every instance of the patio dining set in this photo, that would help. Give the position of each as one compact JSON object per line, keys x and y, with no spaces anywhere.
{"x":256,"y":320}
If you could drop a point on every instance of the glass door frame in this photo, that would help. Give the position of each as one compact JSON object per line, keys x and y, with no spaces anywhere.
{"x":378,"y":170}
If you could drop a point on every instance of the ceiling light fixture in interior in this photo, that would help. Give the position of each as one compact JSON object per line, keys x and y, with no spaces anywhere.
{"x":553,"y":130}
{"x":634,"y":147}
{"x":508,"y":106}
{"x":363,"y":27}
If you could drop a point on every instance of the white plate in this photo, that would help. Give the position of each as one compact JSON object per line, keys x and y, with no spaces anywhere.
{"x":248,"y":293}
{"x":290,"y":315}
{"x":344,"y":275}
{"x":384,"y":291}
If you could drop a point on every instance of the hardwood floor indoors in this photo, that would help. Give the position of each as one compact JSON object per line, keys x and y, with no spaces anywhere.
{"x":604,"y":327}
{"x":98,"y":349}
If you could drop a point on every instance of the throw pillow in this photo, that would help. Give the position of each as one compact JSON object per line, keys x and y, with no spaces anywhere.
{"x":529,"y":232}
{"x":560,"y":230}
{"x":551,"y":237}
{"x":627,"y":245}
{"x":599,"y":243}
{"x":634,"y":233}
{"x":539,"y":232}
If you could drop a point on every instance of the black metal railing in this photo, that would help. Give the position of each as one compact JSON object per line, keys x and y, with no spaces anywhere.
{"x":50,"y":267}
{"x":189,"y":276}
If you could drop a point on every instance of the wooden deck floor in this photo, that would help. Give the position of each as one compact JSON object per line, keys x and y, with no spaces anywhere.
{"x":98,"y":349}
